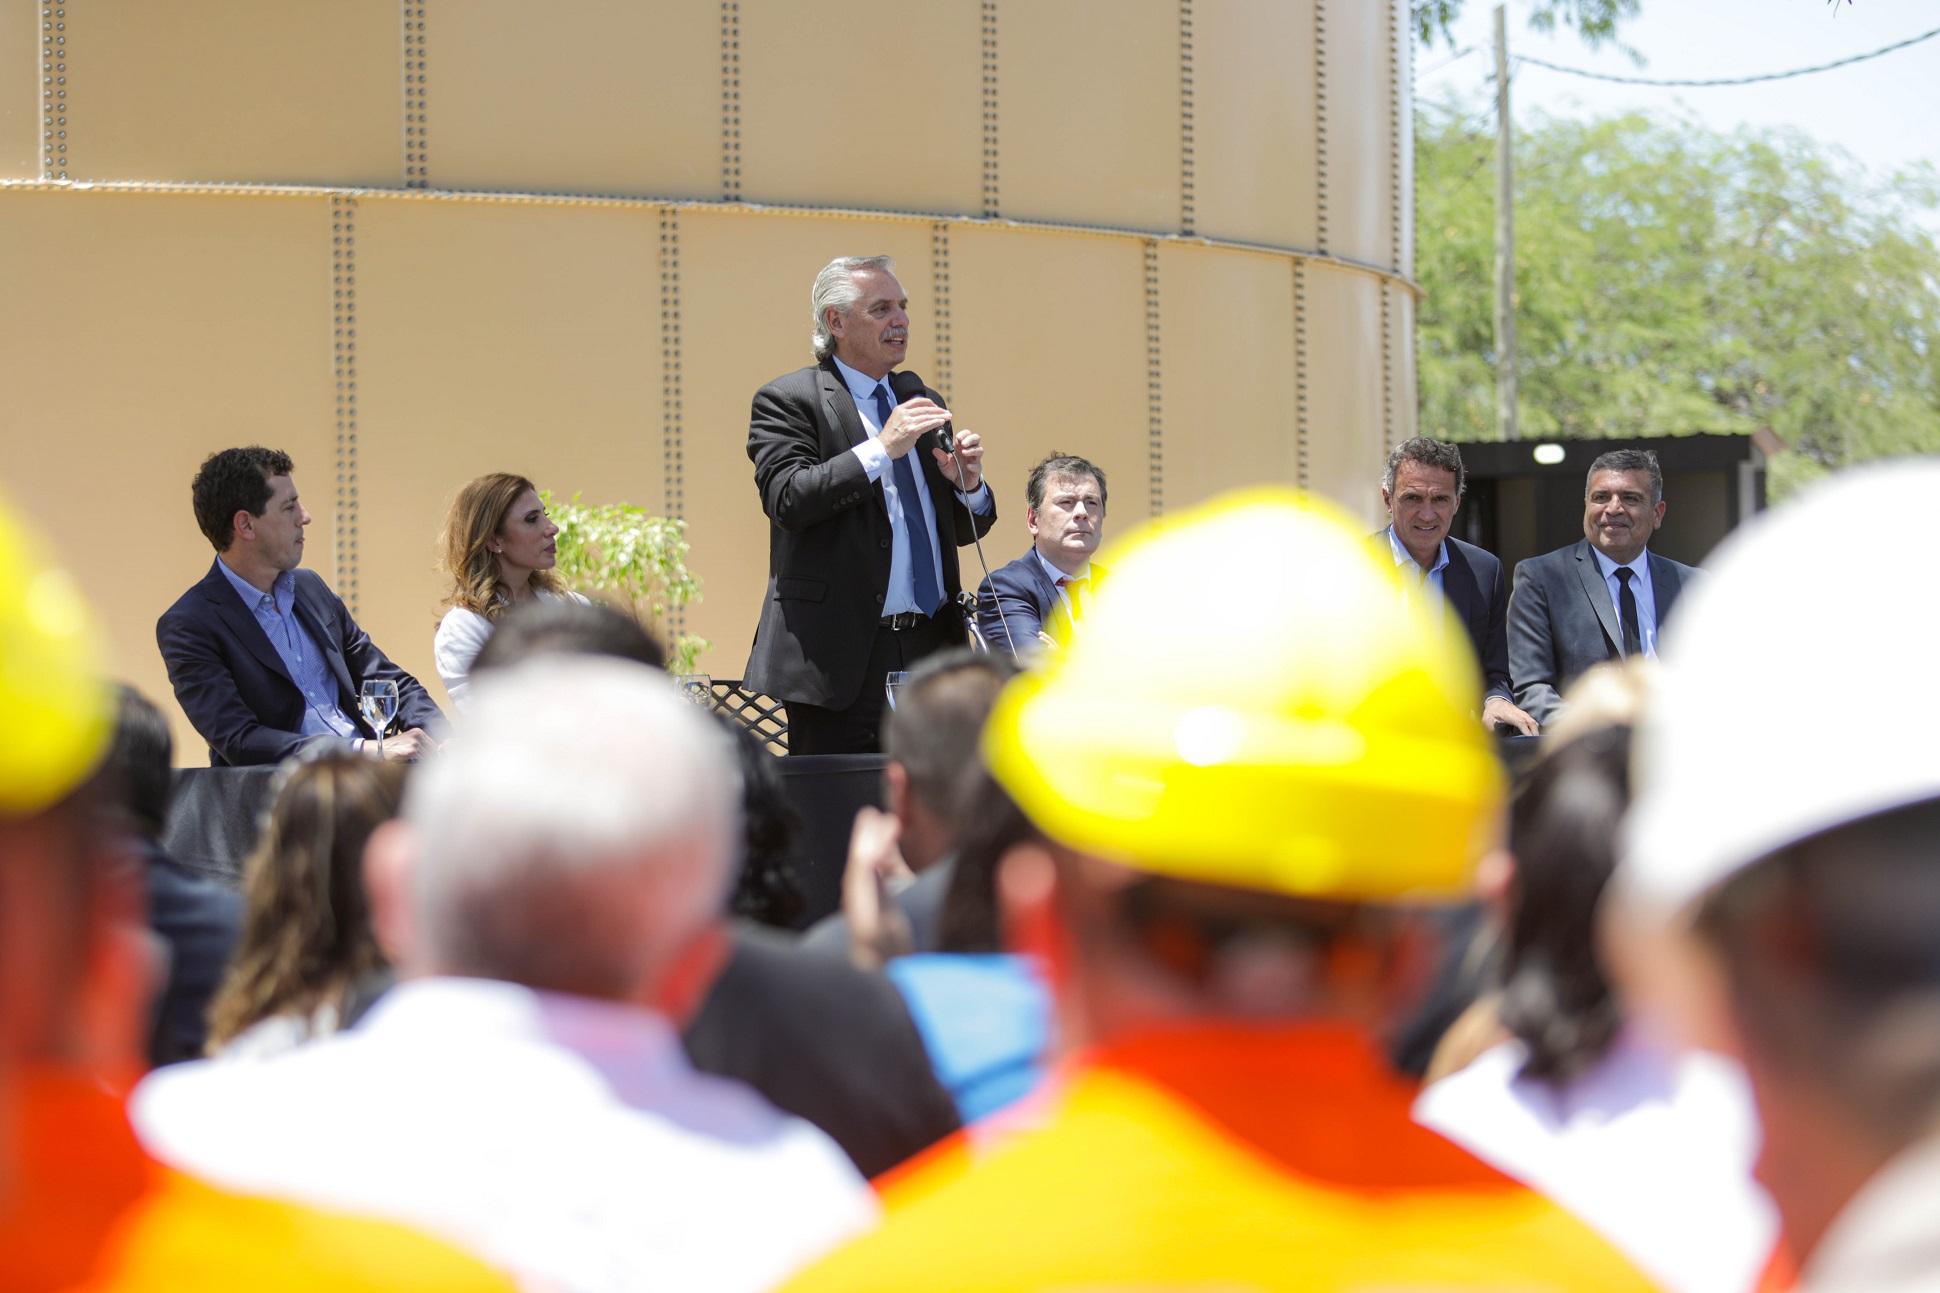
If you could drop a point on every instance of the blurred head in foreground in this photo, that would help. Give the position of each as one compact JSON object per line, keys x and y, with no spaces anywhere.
{"x":1805,"y":859}
{"x":1240,"y":819}
{"x":579,"y":839}
{"x":59,"y":898}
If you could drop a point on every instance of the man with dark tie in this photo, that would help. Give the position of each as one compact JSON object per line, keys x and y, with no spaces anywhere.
{"x":263,"y":657}
{"x":866,"y":509}
{"x":1422,"y":486}
{"x":1038,"y":600}
{"x":1604,"y":598}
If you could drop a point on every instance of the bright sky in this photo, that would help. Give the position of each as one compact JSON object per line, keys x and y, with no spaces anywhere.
{"x":1885,"y":112}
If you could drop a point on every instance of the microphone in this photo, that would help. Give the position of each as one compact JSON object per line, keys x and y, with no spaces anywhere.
{"x":908,"y":386}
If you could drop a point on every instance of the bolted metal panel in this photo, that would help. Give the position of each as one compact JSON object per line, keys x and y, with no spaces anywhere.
{"x":21,"y":35}
{"x":417,"y":91}
{"x":1050,"y":336}
{"x":495,"y":337}
{"x":943,"y":375}
{"x":149,"y":331}
{"x":343,"y":362}
{"x":1345,"y":447}
{"x":1090,"y":113}
{"x":992,"y":117}
{"x":227,"y":90}
{"x":1154,"y":382}
{"x":1254,"y":106}
{"x":889,"y":120}
{"x":1231,"y":413}
{"x":745,"y":319}
{"x":1360,"y":140}
{"x":587,"y":98}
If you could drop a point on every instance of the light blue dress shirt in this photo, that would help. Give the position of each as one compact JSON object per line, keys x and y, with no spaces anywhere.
{"x":901,"y":594}
{"x":276,"y":612}
{"x":1405,"y":561}
{"x":1640,"y":589}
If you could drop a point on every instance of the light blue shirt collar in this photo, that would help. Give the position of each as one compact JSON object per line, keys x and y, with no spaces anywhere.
{"x":1402,"y":557}
{"x":862,"y":386}
{"x":282,"y":588}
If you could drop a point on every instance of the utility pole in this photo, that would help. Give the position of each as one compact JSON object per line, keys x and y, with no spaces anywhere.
{"x":1505,"y":241}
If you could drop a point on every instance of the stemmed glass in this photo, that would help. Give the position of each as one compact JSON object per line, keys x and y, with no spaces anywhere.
{"x":890,"y":682}
{"x":378,"y":701}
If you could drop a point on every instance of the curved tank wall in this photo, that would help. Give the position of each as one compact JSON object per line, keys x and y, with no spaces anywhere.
{"x":414,"y":242}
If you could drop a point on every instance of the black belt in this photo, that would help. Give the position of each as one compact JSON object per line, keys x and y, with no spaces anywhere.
{"x":903,"y":620}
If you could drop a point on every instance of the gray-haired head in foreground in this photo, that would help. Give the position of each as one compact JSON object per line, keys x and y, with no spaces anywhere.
{"x":835,"y":289}
{"x":1428,"y":453}
{"x":578,"y":835}
{"x":1644,"y":460}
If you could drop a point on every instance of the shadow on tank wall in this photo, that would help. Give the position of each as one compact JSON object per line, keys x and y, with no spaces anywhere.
{"x":1525,"y":497}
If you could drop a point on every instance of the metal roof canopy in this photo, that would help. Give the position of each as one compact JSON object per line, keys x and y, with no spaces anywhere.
{"x":1525,"y":497}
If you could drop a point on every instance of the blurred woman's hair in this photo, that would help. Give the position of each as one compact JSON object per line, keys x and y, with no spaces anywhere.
{"x":970,"y":920}
{"x":467,"y":559}
{"x":1563,"y":831}
{"x":767,"y":890}
{"x":307,"y":941}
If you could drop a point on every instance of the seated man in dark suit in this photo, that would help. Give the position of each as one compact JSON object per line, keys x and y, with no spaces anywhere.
{"x":198,"y":919}
{"x":1604,"y":598}
{"x":1038,"y":600}
{"x":1421,"y":487}
{"x":263,"y":657}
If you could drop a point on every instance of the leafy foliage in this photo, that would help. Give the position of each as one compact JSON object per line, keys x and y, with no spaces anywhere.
{"x":1675,"y":280}
{"x":618,"y":553}
{"x":1595,"y":20}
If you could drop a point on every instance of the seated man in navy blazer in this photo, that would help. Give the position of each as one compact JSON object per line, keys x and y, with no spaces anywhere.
{"x":1038,"y":600}
{"x":1602,"y":598}
{"x":264,"y":658}
{"x":1422,"y":486}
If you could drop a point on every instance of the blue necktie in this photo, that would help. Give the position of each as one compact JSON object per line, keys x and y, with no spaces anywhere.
{"x":922,"y":554}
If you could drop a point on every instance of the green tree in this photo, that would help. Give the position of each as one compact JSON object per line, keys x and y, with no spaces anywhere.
{"x":624,"y":556}
{"x":1672,"y":280}
{"x":1595,"y":20}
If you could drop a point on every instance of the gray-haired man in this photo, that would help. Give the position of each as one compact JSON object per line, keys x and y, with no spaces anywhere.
{"x":865,"y":510}
{"x":1603,"y":598}
{"x":1421,"y":487}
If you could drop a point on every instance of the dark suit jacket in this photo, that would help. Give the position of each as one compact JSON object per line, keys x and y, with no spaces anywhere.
{"x":1562,"y":621}
{"x":1476,"y":593}
{"x":237,"y":692}
{"x":1023,"y":596}
{"x":826,"y":1042}
{"x":829,"y":539}
{"x":200,"y":921}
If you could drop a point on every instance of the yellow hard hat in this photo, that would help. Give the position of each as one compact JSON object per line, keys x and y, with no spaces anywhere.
{"x":55,"y":705}
{"x":1254,"y":703}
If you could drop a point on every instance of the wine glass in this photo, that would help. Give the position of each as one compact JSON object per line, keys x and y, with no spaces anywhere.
{"x":890,"y":682}
{"x":696,"y":688}
{"x":378,"y":701}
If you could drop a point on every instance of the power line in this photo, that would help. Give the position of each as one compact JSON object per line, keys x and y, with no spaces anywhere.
{"x":1736,"y":80}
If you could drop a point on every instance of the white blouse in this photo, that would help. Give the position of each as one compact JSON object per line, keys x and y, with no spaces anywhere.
{"x":1652,"y":1148}
{"x":462,"y":634}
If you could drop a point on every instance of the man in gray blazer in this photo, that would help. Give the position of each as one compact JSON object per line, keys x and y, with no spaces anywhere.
{"x":1602,"y":599}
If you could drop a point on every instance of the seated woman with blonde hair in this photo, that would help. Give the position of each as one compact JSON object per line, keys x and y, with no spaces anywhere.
{"x":308,"y":960}
{"x":498,"y":549}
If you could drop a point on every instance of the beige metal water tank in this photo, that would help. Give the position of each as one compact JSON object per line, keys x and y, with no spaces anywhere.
{"x":411,"y":243}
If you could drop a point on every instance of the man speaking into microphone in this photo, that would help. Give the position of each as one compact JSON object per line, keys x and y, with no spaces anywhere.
{"x":866,"y":507}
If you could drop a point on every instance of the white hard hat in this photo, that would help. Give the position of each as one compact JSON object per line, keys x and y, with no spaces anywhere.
{"x":1798,"y":688}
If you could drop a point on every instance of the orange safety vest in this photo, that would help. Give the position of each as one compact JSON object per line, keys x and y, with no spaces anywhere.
{"x":83,"y":1208}
{"x":1221,"y":1157}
